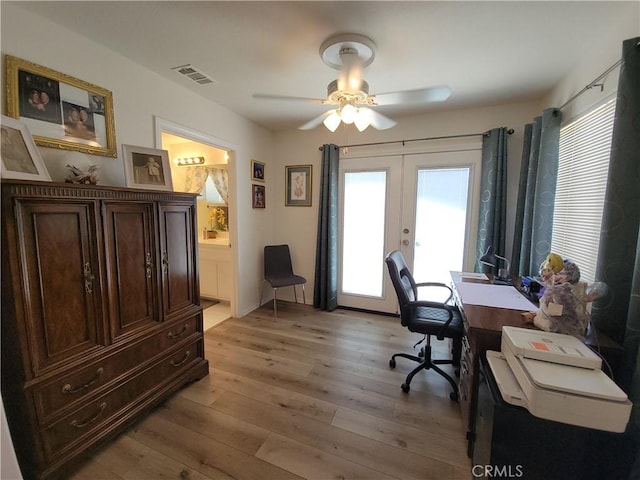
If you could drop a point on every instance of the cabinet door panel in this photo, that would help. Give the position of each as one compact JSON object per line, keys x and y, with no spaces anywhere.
{"x":62,"y":277}
{"x":131,"y":266}
{"x":177,"y":230}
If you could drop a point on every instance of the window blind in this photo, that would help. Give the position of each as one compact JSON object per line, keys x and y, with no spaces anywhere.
{"x":585,"y":147}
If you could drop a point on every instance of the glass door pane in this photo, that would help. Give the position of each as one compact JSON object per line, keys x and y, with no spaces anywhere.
{"x":440,"y":223}
{"x":364,"y":232}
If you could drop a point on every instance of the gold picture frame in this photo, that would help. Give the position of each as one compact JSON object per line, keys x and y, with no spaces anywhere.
{"x":60,"y":111}
{"x":298,"y":185}
{"x":19,"y":157}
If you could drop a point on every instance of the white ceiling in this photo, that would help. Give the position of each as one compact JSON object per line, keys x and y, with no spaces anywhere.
{"x":487,"y":52}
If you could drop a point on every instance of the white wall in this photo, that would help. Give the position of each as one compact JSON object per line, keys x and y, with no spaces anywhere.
{"x":139,"y":95}
{"x":595,"y":62}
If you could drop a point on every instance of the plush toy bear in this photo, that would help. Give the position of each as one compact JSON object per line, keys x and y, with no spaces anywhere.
{"x":564,"y":303}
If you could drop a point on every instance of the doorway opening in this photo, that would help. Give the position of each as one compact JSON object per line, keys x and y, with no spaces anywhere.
{"x":216,"y":212}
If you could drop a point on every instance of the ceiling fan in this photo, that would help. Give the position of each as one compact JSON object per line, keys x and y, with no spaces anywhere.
{"x":349,"y":93}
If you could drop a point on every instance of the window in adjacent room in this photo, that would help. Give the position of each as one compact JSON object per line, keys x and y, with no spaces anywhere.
{"x":585,"y":147}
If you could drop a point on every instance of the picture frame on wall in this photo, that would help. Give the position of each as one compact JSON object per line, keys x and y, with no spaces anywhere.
{"x":20,"y":157}
{"x":60,"y":111}
{"x":298,"y":185}
{"x":258,"y":198}
{"x":257,"y":171}
{"x":147,"y":168}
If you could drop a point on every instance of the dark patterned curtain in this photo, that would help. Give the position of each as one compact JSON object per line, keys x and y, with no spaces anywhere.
{"x":618,"y":315}
{"x":325,"y":294}
{"x":536,"y":193}
{"x":493,"y":194}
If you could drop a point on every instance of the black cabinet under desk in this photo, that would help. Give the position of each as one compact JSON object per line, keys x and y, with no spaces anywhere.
{"x":512,"y":443}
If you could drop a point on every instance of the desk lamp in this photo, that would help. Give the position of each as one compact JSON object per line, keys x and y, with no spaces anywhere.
{"x":491,"y":259}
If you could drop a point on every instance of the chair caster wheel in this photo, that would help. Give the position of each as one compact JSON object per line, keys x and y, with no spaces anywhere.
{"x":454,"y":396}
{"x":405,"y":387}
{"x":392,"y":363}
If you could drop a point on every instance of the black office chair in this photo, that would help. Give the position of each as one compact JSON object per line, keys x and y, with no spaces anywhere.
{"x":278,"y":272}
{"x":441,"y":319}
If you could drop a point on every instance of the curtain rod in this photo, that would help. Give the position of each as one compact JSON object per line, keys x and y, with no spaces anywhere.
{"x":510,"y":131}
{"x":593,"y":83}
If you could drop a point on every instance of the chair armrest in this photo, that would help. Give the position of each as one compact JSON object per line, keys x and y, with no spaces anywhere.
{"x":437,"y":284}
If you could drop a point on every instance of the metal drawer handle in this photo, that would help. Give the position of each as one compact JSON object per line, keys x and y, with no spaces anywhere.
{"x":148,"y":265}
{"x":88,"y":278}
{"x":68,"y":389}
{"x":181,"y":362}
{"x":91,"y":420}
{"x":165,"y":262}
{"x":179,"y":334}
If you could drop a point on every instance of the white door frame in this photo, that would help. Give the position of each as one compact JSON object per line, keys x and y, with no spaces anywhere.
{"x":166,"y":126}
{"x":439,"y":146}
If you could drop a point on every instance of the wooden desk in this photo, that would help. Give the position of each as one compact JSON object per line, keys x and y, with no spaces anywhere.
{"x":482,"y":332}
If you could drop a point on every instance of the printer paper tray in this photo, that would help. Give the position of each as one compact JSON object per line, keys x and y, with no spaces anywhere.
{"x":590,"y":412}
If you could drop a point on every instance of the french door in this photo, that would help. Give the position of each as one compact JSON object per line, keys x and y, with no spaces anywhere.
{"x":420,"y":204}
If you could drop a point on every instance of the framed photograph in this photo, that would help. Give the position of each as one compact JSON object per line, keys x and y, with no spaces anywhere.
{"x":257,"y":171}
{"x":59,"y":110}
{"x":147,"y":168}
{"x":20,"y":157}
{"x":258,"y":196}
{"x":298,"y":186}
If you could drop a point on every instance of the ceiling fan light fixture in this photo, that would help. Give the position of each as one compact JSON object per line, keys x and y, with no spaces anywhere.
{"x":348,"y":113}
{"x":332,"y":122}
{"x":363,"y":119}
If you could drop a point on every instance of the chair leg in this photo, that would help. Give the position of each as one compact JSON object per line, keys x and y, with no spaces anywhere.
{"x":275,"y":307}
{"x":304,"y":300}
{"x":426,"y":363}
{"x":295,"y":296}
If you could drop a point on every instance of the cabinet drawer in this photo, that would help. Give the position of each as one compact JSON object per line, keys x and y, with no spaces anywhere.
{"x":69,"y":389}
{"x":84,"y":424}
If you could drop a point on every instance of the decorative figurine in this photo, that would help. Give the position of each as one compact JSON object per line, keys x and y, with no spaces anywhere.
{"x":90,"y":177}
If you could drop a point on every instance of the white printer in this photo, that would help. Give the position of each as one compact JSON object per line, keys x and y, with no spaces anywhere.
{"x":557,"y":377}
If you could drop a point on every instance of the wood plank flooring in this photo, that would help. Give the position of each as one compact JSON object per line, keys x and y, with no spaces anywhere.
{"x":306,"y":395}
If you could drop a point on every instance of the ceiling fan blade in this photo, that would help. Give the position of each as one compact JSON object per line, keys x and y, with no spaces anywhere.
{"x":377,"y":120}
{"x":313,"y":123}
{"x":423,"y":95}
{"x":266,"y":96}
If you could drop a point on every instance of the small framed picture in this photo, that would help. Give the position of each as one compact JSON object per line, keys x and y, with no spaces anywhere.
{"x":258,"y":196}
{"x":147,"y":168}
{"x":21,"y":158}
{"x":257,"y":171}
{"x":298,"y":186}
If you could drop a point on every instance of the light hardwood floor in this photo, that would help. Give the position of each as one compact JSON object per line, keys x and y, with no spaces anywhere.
{"x":307,"y":395}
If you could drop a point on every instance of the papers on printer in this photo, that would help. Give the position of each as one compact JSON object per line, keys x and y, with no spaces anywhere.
{"x":557,"y":377}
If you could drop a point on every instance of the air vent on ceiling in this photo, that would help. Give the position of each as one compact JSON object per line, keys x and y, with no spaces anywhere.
{"x":194,"y":74}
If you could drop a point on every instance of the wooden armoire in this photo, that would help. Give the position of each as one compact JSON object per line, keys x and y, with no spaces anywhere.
{"x":100,"y":314}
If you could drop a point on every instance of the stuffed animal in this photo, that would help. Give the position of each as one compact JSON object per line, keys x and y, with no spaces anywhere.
{"x":564,"y":305}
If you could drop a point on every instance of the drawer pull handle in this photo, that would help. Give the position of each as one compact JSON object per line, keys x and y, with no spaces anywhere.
{"x":91,"y":420}
{"x":148,"y":265}
{"x":181,"y":362}
{"x":165,"y":262}
{"x":88,"y":278}
{"x":68,"y":389}
{"x":172,"y":335}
